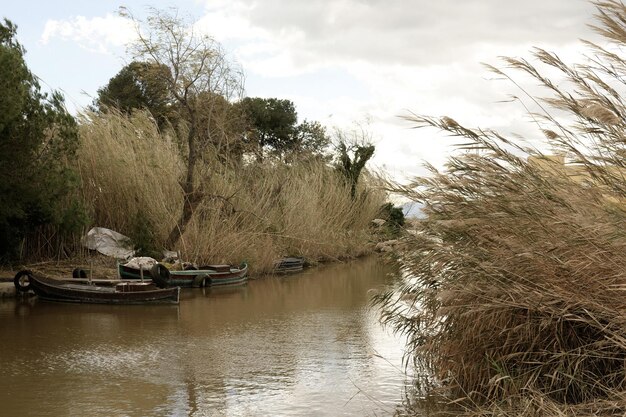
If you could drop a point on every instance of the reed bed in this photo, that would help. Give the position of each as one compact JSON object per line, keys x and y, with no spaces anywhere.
{"x":514,"y":301}
{"x":129,"y":171}
{"x":253,"y":212}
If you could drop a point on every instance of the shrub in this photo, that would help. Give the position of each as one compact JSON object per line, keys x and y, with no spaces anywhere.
{"x":394,"y":217}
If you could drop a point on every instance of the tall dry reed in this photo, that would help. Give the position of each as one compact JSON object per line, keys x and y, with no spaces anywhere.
{"x":129,"y":170}
{"x":515,"y":291}
{"x":255,"y":212}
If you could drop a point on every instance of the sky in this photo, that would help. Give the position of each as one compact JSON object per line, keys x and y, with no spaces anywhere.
{"x":349,"y":64}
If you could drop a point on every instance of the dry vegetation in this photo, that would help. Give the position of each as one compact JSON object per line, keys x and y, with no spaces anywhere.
{"x":515,"y":297}
{"x":256,"y":212}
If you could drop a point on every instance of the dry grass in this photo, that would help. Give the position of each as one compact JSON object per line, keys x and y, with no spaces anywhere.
{"x":520,"y":285}
{"x":251,"y":212}
{"x":128,"y":169}
{"x":516,"y":297}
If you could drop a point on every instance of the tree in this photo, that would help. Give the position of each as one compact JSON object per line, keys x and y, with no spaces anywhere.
{"x":310,"y":138}
{"x":139,"y":85}
{"x":37,"y":139}
{"x":200,"y":79}
{"x":223,"y":124}
{"x":274,"y":129}
{"x":353,"y":151}
{"x":272,"y":123}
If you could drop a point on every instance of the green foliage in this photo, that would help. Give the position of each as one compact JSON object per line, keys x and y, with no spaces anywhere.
{"x":352,"y":157}
{"x":143,"y":236}
{"x":38,"y":139}
{"x":273,"y":121}
{"x":74,"y":218}
{"x":310,"y":139}
{"x":394,"y":217}
{"x":273,"y":129}
{"x":139,"y":85}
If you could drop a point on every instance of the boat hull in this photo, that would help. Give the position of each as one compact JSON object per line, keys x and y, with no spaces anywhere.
{"x":54,"y":290}
{"x":289,"y":265}
{"x":130,"y":273}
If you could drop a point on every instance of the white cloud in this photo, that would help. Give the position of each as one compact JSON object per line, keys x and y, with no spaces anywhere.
{"x":418,"y":31}
{"x":98,"y":34}
{"x":229,"y":20}
{"x":345,"y":60}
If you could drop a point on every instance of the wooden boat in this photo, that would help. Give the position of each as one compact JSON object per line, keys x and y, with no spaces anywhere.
{"x":205,"y":276}
{"x":128,"y":272}
{"x":121,"y":293}
{"x":290,"y":264}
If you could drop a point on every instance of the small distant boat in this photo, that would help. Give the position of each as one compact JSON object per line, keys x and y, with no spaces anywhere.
{"x":121,"y":293}
{"x":204,"y":276}
{"x":290,"y":264}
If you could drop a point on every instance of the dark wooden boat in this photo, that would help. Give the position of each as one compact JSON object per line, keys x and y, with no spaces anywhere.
{"x":290,"y":264}
{"x":122,"y":293}
{"x":205,"y":276}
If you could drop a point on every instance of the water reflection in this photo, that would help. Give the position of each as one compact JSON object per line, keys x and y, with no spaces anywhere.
{"x":304,"y":344}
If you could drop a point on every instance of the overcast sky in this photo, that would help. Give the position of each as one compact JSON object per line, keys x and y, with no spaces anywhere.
{"x":340,"y":61}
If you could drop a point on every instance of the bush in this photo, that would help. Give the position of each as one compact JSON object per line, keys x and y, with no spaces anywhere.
{"x":394,"y":217}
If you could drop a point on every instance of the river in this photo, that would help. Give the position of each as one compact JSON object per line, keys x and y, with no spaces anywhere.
{"x":307,"y":344}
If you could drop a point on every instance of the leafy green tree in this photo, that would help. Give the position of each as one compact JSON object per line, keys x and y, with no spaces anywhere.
{"x":272,"y":123}
{"x":310,"y":138}
{"x":38,"y":139}
{"x":273,"y":129}
{"x":139,"y":85}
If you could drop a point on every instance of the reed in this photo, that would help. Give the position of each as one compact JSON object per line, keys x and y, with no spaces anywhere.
{"x":128,"y":170}
{"x":256,"y":212}
{"x":514,"y":297}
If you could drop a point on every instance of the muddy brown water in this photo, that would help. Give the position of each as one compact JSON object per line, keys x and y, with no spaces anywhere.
{"x":300,"y":345}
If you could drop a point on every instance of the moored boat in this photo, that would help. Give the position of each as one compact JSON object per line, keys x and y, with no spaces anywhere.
{"x":204,"y":276}
{"x":122,"y":293}
{"x":127,"y":272}
{"x":136,"y":268}
{"x":290,"y":264}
